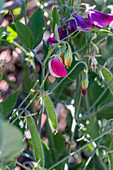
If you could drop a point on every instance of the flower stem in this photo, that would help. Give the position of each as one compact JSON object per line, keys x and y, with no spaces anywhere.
{"x":89,"y":159}
{"x":93,"y":105}
{"x":75,"y":115}
{"x":78,"y":150}
{"x":18,"y":163}
{"x":24,"y":100}
{"x":80,"y":62}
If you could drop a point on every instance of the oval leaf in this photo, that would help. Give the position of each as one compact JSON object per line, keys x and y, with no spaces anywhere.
{"x":108,"y":77}
{"x":36,"y":142}
{"x":56,"y":18}
{"x":51,"y":112}
{"x":37,"y":26}
{"x":8,"y":104}
{"x":24,"y":34}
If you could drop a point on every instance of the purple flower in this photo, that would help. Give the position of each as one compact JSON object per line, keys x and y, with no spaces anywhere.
{"x":99,"y":19}
{"x":80,"y":22}
{"x":62,"y":34}
{"x":56,"y":68}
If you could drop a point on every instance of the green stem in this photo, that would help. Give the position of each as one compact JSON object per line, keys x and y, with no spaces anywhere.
{"x":86,"y":164}
{"x":44,"y":80}
{"x":48,"y":55}
{"x":31,"y":101}
{"x":18,"y":163}
{"x":25,"y":16}
{"x":78,"y":150}
{"x":69,"y":74}
{"x":20,"y":47}
{"x":37,"y":57}
{"x":24,"y":100}
{"x":85,"y":114}
{"x":75,"y":116}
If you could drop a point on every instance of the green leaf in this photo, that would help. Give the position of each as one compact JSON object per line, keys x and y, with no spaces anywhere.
{"x":1,"y":3}
{"x":56,"y":33}
{"x":47,"y":154}
{"x":11,"y":143}
{"x":59,"y":145}
{"x":17,"y":11}
{"x":106,"y":113}
{"x":96,"y":164}
{"x":71,"y":2}
{"x":36,"y":141}
{"x":108,"y":77}
{"x":56,"y":18}
{"x":13,"y":34}
{"x":111,"y":160}
{"x":51,"y":112}
{"x":1,"y":31}
{"x":93,"y":124}
{"x":25,"y":35}
{"x":56,"y":144}
{"x":37,"y":26}
{"x":26,"y":80}
{"x":8,"y":104}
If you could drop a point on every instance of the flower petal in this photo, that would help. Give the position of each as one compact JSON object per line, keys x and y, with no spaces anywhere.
{"x":62,"y":34}
{"x":99,"y":19}
{"x":56,"y":68}
{"x":51,"y":39}
{"x":80,"y":22}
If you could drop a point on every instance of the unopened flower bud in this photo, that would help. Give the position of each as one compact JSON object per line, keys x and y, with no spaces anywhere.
{"x":68,"y":57}
{"x":84,"y":85}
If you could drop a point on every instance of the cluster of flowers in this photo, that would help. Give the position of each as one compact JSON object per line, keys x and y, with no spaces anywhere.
{"x":77,"y":23}
{"x":95,"y":18}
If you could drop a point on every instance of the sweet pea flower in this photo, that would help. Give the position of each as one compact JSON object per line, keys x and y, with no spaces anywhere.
{"x":56,"y":68}
{"x":80,"y":22}
{"x":62,"y":34}
{"x":99,"y":19}
{"x":51,"y":39}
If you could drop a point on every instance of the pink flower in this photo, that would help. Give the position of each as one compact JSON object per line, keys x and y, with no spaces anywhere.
{"x":99,"y":19}
{"x":62,"y":34}
{"x":56,"y":68}
{"x":51,"y":39}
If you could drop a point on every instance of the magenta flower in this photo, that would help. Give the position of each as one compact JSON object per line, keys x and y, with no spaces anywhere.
{"x":56,"y":68}
{"x":99,"y":19}
{"x":62,"y":34}
{"x":51,"y":39}
{"x":80,"y":22}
